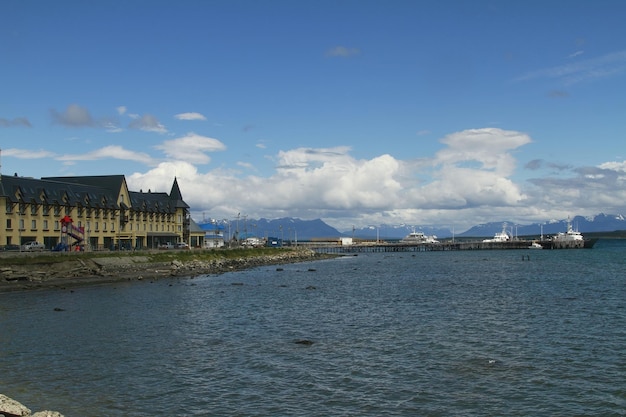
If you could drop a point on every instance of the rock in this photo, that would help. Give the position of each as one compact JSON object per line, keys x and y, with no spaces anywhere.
{"x":12,"y":408}
{"x":47,"y":413}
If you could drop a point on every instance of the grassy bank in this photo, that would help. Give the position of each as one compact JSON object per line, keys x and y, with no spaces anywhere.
{"x":152,"y":256}
{"x":25,"y":271}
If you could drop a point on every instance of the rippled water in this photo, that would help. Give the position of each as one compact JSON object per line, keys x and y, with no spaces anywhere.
{"x":471,"y":333}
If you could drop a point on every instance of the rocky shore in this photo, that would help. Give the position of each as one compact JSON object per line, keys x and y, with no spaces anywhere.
{"x":79,"y":271}
{"x":11,"y":408}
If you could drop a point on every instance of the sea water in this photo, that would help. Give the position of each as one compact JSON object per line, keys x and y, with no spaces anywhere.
{"x":460,"y":333}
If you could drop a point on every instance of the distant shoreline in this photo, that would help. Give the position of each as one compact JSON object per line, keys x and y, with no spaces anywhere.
{"x":46,"y":272}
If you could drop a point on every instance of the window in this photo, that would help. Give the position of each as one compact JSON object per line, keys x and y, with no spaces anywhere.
{"x":104,"y":226}
{"x":22,"y":208}
{"x":56,"y":225}
{"x":45,"y":225}
{"x":33,"y":225}
{"x":97,"y":227}
{"x":21,"y":224}
{"x":9,"y":207}
{"x":46,"y":210}
{"x":33,"y":209}
{"x":57,"y":210}
{"x":8,"y":223}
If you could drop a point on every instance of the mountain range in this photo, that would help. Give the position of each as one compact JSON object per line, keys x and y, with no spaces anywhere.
{"x":293,"y":229}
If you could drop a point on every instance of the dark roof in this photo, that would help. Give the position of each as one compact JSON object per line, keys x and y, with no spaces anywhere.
{"x":152,"y":202}
{"x":176,"y":195}
{"x":194,"y":227}
{"x":90,"y":191}
{"x":49,"y":191}
{"x":110,"y":182}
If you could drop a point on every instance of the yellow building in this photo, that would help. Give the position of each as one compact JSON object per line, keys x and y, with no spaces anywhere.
{"x":92,"y":212}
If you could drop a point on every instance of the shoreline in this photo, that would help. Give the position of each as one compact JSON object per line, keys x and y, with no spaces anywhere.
{"x":91,"y":271}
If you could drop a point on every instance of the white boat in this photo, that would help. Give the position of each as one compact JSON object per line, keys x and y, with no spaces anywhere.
{"x":572,"y":239}
{"x":535,"y":245}
{"x":502,"y":236}
{"x":418,"y":238}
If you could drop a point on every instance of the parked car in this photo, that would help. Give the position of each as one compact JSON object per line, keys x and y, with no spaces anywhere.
{"x":166,"y":245}
{"x":181,"y":245}
{"x":11,"y":248}
{"x":33,"y":246}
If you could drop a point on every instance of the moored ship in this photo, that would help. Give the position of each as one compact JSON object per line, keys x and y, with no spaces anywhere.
{"x":418,"y":238}
{"x":572,"y":239}
{"x":500,"y":237}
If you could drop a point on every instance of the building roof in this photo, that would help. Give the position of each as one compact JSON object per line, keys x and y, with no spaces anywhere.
{"x":176,"y":195}
{"x":89,"y":191}
{"x":194,"y":227}
{"x":49,"y":191}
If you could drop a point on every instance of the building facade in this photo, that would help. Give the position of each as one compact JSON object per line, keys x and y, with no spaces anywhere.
{"x":90,"y":212}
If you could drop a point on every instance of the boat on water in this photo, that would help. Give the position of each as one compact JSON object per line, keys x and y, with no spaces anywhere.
{"x":502,"y":236}
{"x":572,"y":239}
{"x":535,"y":245}
{"x":418,"y":238}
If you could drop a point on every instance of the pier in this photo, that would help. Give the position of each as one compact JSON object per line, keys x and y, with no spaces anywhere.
{"x":332,"y":247}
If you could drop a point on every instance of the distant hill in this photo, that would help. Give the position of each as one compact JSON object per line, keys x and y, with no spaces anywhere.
{"x":289,"y":228}
{"x":286,"y":228}
{"x":599,"y":223}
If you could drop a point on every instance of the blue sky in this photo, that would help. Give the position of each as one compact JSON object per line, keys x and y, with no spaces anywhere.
{"x":440,"y":113}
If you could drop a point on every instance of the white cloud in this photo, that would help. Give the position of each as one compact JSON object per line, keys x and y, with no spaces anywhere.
{"x":190,"y":116}
{"x":470,"y":180}
{"x":614,"y":165}
{"x":192,"y":148}
{"x":110,"y":152}
{"x":489,"y":147}
{"x":601,"y":67}
{"x":330,"y":183}
{"x":27,"y":153}
{"x":121,"y":110}
{"x":246,"y":165}
{"x":147,"y":123}
{"x":73,"y":116}
{"x":18,"y":121}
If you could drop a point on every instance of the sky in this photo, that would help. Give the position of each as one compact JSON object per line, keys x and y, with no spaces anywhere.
{"x":360,"y":113}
